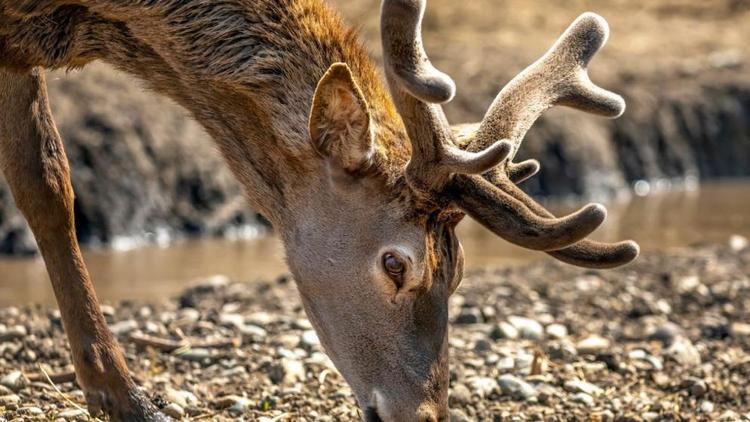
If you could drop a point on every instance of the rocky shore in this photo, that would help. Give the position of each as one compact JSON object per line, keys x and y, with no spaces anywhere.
{"x":667,"y":338}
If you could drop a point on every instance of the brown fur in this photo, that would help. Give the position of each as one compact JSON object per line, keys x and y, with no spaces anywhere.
{"x":33,"y":161}
{"x":302,"y":117}
{"x":247,"y":70}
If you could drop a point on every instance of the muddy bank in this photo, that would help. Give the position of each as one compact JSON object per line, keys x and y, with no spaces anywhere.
{"x":144,"y":171}
{"x":664,"y":339}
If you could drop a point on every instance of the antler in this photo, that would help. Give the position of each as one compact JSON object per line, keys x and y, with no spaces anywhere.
{"x":559,"y":77}
{"x":418,"y":88}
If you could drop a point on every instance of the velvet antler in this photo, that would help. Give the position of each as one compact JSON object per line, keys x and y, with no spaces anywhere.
{"x":559,"y":77}
{"x":418,"y":89}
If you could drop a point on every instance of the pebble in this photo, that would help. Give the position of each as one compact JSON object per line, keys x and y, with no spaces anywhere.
{"x":604,"y":416}
{"x":684,"y":352}
{"x":260,"y":319}
{"x":557,"y":331}
{"x":14,"y":381}
{"x":527,"y":327}
{"x":650,"y":416}
{"x":656,"y":362}
{"x":459,"y":416}
{"x":729,"y":416}
{"x":737,"y":242}
{"x":580,"y":386}
{"x":12,"y":333}
{"x":72,"y":414}
{"x":523,"y":361}
{"x":562,"y":351}
{"x":236,"y":404}
{"x":302,"y":324}
{"x":123,"y":328}
{"x":287,"y":340}
{"x":174,"y":410}
{"x":506,"y":363}
{"x":738,"y":329}
{"x":583,"y":398}
{"x":482,"y":346}
{"x":482,"y":386}
{"x":516,"y":387}
{"x":707,"y":406}
{"x":309,"y":340}
{"x":153,"y":328}
{"x":504,"y":330}
{"x":697,"y":387}
{"x":108,"y":310}
{"x":9,"y":399}
{"x":232,"y":320}
{"x":667,"y":333}
{"x":637,"y":354}
{"x":181,"y":397}
{"x":34,"y":411}
{"x":592,"y":345}
{"x":288,"y":372}
{"x":460,"y":396}
{"x":688,"y":283}
{"x":197,"y":355}
{"x":253,"y":333}
{"x":652,"y":361}
{"x":189,"y":315}
{"x":469,"y":316}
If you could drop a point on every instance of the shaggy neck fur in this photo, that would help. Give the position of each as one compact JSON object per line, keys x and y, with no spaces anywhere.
{"x":246,"y":69}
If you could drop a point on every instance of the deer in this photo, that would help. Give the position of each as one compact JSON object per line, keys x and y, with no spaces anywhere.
{"x":362,"y":176}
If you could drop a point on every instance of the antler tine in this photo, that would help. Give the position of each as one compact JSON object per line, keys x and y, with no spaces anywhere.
{"x":401,"y":25}
{"x":559,"y":77}
{"x":511,"y":218}
{"x":586,"y":253}
{"x":418,"y":88}
{"x":518,"y":172}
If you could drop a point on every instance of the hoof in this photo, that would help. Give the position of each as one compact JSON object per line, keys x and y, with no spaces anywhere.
{"x":137,"y":407}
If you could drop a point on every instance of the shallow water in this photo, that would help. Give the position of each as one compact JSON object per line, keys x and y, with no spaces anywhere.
{"x":710,"y":214}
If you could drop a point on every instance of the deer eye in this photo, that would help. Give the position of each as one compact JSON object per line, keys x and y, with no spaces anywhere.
{"x":394,"y":266}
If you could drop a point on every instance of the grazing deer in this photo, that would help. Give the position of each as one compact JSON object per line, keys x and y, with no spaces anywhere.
{"x":364,"y":188}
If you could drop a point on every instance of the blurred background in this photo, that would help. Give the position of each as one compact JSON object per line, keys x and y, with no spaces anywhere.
{"x":156,"y":207}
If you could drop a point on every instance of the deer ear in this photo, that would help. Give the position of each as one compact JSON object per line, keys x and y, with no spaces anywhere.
{"x":339,"y":121}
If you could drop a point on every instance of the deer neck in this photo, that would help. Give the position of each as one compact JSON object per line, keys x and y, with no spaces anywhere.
{"x":247,"y":73}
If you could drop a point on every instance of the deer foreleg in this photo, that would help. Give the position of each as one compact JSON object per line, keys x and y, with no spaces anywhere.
{"x":35,"y":166}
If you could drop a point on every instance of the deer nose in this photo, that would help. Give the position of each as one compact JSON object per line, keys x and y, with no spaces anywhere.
{"x":392,"y":411}
{"x":371,"y":415}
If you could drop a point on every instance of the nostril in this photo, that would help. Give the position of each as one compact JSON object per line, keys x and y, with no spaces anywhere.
{"x":371,"y":415}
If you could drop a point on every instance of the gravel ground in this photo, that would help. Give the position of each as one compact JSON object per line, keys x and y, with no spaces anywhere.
{"x":667,"y":338}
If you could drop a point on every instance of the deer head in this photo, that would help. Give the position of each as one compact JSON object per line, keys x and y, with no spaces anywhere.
{"x":369,"y":223}
{"x":374,"y":249}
